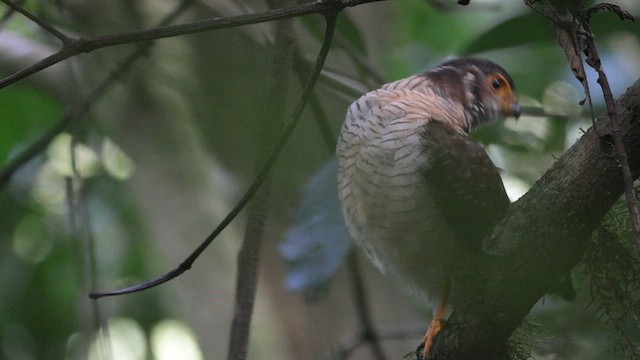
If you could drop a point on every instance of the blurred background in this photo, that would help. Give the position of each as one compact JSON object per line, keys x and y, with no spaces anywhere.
{"x":165,"y":152}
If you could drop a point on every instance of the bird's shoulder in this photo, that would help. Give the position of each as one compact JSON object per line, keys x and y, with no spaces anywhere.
{"x":412,"y":100}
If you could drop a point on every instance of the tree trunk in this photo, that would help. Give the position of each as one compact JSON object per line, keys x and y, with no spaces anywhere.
{"x":542,"y":237}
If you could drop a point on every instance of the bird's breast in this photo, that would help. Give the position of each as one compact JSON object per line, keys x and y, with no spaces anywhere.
{"x":388,"y":203}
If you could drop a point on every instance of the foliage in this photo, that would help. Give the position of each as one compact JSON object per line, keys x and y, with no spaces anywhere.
{"x":613,"y":268}
{"x":171,"y":145}
{"x":529,"y":336}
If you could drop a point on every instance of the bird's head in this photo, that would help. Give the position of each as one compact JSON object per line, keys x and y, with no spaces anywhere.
{"x":485,"y":89}
{"x":502,"y":94}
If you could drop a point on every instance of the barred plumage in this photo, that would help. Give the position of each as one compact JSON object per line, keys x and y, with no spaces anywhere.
{"x":417,"y":193}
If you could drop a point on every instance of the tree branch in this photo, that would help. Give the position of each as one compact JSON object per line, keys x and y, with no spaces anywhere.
{"x":259,"y":179}
{"x":75,"y":46}
{"x":542,"y":237}
{"x":70,"y":116}
{"x":43,"y":24}
{"x":368,"y":333}
{"x":274,"y":106}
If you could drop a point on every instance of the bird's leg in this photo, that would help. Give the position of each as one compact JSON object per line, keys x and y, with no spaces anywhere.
{"x":436,"y":323}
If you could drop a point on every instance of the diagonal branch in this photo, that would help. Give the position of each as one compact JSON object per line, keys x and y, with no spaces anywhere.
{"x":258,"y":181}
{"x":43,"y":24}
{"x":8,"y":14}
{"x":37,"y":147}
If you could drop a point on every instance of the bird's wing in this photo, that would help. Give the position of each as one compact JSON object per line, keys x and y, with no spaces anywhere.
{"x":469,"y":190}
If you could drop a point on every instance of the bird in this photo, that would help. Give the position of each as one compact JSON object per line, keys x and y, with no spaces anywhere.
{"x":417,"y":193}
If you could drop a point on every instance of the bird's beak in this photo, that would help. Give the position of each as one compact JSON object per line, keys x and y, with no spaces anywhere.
{"x":511,"y":108}
{"x":515,"y":110}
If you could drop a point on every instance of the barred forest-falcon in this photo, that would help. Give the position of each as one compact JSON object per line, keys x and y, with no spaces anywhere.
{"x":417,"y":193}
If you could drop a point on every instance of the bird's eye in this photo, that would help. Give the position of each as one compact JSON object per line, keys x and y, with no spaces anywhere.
{"x":496,"y":84}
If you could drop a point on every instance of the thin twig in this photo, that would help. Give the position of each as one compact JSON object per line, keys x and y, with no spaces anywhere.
{"x":8,"y":14}
{"x":537,"y":111}
{"x":91,"y":268}
{"x":567,"y":33}
{"x":80,"y":228}
{"x":74,"y":226}
{"x":77,"y":46}
{"x":368,"y":332}
{"x":257,"y":182}
{"x":247,"y":275}
{"x":618,"y":143}
{"x":34,"y":149}
{"x":249,"y":255}
{"x":571,"y":24}
{"x":593,"y":59}
{"x":43,"y":24}
{"x":38,"y":146}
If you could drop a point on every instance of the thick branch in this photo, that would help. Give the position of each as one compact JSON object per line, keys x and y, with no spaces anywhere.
{"x":542,"y":237}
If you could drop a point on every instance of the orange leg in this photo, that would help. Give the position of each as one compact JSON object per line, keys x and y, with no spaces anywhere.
{"x":436,"y":323}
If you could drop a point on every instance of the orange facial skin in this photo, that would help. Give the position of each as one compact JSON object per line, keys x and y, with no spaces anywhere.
{"x":508,"y":98}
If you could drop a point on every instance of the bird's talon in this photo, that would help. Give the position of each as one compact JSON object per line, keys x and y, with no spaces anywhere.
{"x":419,"y":353}
{"x":429,"y":340}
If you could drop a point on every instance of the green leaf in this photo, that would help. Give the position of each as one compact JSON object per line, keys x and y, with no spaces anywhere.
{"x":115,"y":161}
{"x":85,"y":161}
{"x":520,"y":30}
{"x":532,"y":27}
{"x":26,"y":113}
